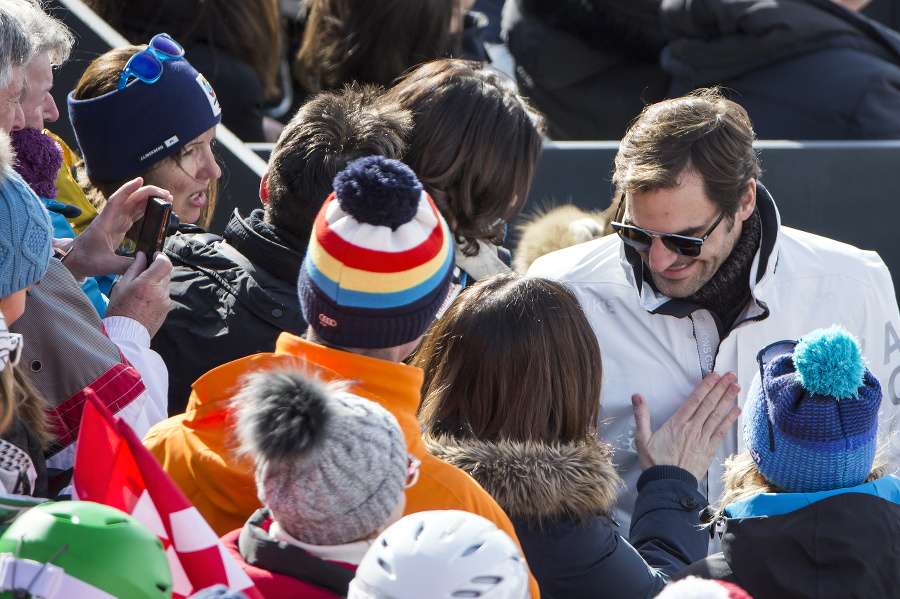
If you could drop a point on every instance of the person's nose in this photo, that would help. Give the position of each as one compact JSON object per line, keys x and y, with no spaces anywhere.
{"x":50,"y":111}
{"x":210,"y":169}
{"x":660,"y":257}
{"x":19,"y":120}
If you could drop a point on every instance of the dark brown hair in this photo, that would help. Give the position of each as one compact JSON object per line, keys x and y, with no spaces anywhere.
{"x":475,"y":145}
{"x":327,"y":133}
{"x":514,"y":358}
{"x":102,"y":77}
{"x":701,"y":132}
{"x":249,"y":30}
{"x":367,"y":41}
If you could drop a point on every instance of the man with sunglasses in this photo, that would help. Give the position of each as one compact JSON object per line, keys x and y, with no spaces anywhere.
{"x":701,"y":275}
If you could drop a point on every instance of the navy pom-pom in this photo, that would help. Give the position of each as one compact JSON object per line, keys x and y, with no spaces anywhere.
{"x":829,"y":362}
{"x":378,"y":191}
{"x":281,"y":414}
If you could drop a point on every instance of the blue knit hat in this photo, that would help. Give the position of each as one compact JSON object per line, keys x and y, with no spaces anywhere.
{"x":129,"y":130}
{"x":26,"y":235}
{"x":811,"y":421}
{"x":380,"y":258}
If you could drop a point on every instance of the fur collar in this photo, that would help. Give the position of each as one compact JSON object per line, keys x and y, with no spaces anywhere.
{"x":531,"y":481}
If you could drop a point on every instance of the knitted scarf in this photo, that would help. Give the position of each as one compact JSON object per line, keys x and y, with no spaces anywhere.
{"x":728,"y":291}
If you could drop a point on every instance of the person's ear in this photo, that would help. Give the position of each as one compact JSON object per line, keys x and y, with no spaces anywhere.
{"x":748,"y":201}
{"x":264,"y":189}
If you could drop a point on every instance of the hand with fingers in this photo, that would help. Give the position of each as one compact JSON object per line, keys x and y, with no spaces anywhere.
{"x":143,"y":295}
{"x":93,"y":253}
{"x":689,"y":438}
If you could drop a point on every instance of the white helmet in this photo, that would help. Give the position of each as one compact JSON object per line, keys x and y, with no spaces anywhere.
{"x":442,"y":555}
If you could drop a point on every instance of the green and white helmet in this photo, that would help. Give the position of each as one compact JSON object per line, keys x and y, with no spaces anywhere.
{"x":81,"y":550}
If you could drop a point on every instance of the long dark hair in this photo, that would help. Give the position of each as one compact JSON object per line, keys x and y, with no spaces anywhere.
{"x":474,"y":146}
{"x":249,"y":30}
{"x":367,"y":41}
{"x":514,"y":358}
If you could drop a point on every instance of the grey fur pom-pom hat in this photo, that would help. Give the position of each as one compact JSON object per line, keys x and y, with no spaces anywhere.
{"x":330,"y":466}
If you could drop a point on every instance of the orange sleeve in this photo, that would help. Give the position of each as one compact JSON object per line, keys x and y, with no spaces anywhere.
{"x":445,"y":487}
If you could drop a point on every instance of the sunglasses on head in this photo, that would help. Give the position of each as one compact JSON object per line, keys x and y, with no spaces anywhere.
{"x":147,"y":65}
{"x":641,"y":239}
{"x":765,"y":357}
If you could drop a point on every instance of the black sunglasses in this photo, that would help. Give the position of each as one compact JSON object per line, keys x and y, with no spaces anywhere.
{"x":764,"y":358}
{"x":641,"y":239}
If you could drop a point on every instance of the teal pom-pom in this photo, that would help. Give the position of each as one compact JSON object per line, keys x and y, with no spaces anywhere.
{"x":829,"y":362}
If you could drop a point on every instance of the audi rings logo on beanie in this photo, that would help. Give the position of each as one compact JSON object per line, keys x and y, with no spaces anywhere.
{"x":326,"y":321}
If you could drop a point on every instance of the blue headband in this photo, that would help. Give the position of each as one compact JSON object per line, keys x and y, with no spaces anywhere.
{"x":127,"y":131}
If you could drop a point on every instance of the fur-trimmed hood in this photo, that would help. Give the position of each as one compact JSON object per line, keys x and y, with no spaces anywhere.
{"x":533,"y":480}
{"x":555,"y":229}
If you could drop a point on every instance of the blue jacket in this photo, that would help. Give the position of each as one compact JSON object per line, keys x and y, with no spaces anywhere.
{"x":560,"y":499}
{"x":833,"y":544}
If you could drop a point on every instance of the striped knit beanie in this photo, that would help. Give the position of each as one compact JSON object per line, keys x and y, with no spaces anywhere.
{"x":812,"y":418}
{"x":380,"y":259}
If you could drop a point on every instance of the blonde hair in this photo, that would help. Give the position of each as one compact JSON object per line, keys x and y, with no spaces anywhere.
{"x":19,"y":397}
{"x":7,"y":397}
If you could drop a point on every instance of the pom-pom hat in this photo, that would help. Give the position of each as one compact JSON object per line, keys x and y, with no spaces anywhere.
{"x":330,"y":466}
{"x":129,"y":130}
{"x":380,"y":259}
{"x":811,"y":419}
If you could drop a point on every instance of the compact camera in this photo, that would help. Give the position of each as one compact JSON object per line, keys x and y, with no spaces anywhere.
{"x":158,"y":223}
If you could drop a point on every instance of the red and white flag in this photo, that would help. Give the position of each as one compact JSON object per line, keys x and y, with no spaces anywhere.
{"x":112,"y":467}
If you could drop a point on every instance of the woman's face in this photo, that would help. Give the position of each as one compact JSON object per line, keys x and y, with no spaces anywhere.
{"x":188,"y":181}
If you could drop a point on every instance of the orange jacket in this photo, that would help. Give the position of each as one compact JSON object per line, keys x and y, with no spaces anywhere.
{"x":197,"y":449}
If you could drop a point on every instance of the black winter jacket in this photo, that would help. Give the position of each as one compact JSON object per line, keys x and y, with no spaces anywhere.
{"x":803,"y":69}
{"x":589,"y":65}
{"x":231,"y":298}
{"x":560,"y":500}
{"x":803,"y":546}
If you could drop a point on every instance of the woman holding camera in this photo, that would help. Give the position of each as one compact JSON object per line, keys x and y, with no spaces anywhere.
{"x":144,"y":111}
